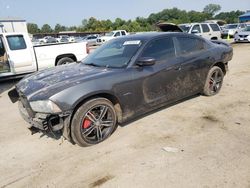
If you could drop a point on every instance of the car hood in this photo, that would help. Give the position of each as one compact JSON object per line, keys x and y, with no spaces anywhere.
{"x":51,"y":81}
{"x":244,"y":33}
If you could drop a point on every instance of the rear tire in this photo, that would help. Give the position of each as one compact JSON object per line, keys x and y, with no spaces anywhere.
{"x":93,"y":122}
{"x":64,"y":61}
{"x":214,"y":81}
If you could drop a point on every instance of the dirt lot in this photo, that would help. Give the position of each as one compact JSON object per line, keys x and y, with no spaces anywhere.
{"x":211,"y":134}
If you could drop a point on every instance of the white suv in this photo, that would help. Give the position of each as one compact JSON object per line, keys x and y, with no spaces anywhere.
{"x":210,"y":31}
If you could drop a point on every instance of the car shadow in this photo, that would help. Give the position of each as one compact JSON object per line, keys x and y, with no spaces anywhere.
{"x":7,"y":84}
{"x":58,"y":135}
{"x":157,"y":110}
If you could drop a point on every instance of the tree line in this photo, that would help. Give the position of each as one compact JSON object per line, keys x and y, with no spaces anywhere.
{"x":173,"y":15}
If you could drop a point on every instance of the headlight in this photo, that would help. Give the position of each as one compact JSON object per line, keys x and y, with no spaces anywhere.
{"x":45,"y":106}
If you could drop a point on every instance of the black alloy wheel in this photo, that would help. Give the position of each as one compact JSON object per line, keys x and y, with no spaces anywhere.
{"x":93,"y":122}
{"x":214,"y":81}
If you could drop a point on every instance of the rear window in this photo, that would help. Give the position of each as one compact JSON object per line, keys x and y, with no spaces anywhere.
{"x":16,"y":42}
{"x":205,"y":28}
{"x":190,"y":45}
{"x":215,"y":27}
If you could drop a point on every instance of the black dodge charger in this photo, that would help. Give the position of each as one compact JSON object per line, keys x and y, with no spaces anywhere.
{"x":122,"y":79}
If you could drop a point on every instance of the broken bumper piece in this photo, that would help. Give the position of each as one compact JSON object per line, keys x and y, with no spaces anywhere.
{"x":45,"y":122}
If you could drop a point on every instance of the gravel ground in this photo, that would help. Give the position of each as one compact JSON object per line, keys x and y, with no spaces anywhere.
{"x":201,"y":142}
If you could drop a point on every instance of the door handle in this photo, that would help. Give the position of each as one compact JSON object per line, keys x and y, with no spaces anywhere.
{"x":176,"y":68}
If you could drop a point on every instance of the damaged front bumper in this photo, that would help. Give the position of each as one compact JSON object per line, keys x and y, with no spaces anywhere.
{"x":41,"y":121}
{"x":45,"y":122}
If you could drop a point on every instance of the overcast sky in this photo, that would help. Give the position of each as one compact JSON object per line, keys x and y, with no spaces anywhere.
{"x":72,"y":12}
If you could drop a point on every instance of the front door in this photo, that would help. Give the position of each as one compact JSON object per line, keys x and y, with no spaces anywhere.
{"x":20,"y":54}
{"x":160,"y":82}
{"x":4,"y":64}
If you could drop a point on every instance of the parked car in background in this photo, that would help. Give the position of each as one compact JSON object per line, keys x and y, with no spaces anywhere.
{"x":185,"y":27}
{"x":91,"y":39}
{"x":123,"y":79}
{"x":210,"y":31}
{"x":243,"y":36}
{"x":35,"y":41}
{"x":47,"y":39}
{"x":78,"y":39}
{"x":24,"y":57}
{"x":63,"y":38}
{"x":108,"y":36}
{"x":231,"y":29}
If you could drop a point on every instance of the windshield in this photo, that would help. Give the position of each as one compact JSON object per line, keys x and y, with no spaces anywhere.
{"x":247,"y":28}
{"x":231,"y":26}
{"x":115,"y":53}
{"x":109,"y":34}
{"x":184,"y":28}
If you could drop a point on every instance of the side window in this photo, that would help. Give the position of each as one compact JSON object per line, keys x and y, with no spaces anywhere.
{"x":117,"y":34}
{"x":215,"y":27}
{"x":16,"y":42}
{"x":205,"y":28}
{"x":188,"y":45}
{"x":160,"y":49}
{"x":123,"y":33}
{"x":196,"y":28}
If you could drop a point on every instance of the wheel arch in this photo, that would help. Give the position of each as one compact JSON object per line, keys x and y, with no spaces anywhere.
{"x":112,"y":98}
{"x":72,"y":56}
{"x":214,"y":38}
{"x":222,"y":66}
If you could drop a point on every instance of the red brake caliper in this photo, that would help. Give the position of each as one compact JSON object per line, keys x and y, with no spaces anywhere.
{"x":86,"y":123}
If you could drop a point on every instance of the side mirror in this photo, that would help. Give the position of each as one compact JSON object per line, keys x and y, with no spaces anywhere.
{"x":145,"y":61}
{"x":194,"y":31}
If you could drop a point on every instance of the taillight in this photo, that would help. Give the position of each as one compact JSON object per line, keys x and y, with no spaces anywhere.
{"x":87,"y":48}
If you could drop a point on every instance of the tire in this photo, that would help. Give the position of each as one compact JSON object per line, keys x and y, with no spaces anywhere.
{"x":214,"y":81}
{"x":64,"y":61}
{"x":93,"y":122}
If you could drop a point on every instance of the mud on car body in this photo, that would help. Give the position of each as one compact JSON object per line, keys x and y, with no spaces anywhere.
{"x":124,"y":78}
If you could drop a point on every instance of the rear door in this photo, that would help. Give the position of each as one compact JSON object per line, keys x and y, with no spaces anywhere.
{"x":194,"y":56}
{"x":20,"y":53}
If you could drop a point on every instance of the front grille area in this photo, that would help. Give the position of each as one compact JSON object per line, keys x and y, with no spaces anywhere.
{"x":99,"y":40}
{"x":243,"y":36}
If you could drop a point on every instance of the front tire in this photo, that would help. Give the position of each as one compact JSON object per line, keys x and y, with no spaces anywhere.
{"x":214,"y":81}
{"x":93,"y":122}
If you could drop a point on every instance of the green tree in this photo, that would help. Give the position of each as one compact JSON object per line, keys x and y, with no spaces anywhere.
{"x":33,"y":28}
{"x":59,"y":28}
{"x":46,"y":29}
{"x":212,"y":9}
{"x":229,"y":17}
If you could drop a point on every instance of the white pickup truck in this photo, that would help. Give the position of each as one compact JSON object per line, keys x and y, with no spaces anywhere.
{"x":18,"y":56}
{"x":108,"y":36}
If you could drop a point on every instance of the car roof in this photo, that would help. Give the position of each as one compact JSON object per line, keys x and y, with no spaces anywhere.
{"x":151,"y":35}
